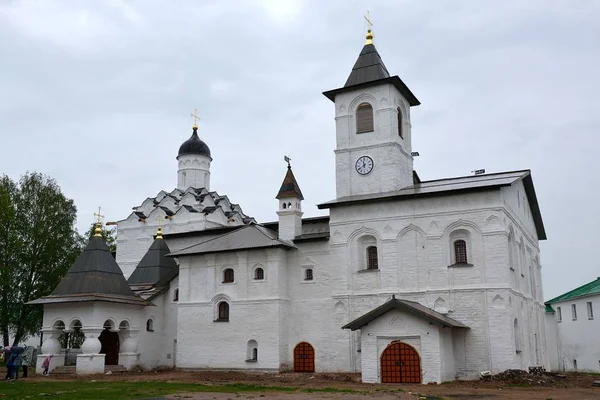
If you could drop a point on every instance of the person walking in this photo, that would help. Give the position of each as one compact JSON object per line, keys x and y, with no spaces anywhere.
{"x":18,"y":360}
{"x":46,"y":364}
{"x":8,"y":360}
{"x":28,"y":360}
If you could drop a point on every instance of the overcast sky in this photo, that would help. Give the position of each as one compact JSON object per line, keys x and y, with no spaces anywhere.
{"x":98,"y":95}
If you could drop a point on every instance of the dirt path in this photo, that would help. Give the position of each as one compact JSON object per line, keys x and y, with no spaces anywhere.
{"x":574,"y":387}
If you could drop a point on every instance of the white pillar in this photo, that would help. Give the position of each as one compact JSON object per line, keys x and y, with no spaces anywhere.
{"x":91,"y":361}
{"x":129,"y":356}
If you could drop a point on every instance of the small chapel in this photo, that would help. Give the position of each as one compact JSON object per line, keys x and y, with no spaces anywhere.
{"x":403,"y":281}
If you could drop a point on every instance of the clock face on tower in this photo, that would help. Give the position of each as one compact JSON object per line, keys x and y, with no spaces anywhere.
{"x":364,"y":165}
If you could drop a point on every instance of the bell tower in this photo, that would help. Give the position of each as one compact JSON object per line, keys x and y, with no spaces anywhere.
{"x":373,"y":129}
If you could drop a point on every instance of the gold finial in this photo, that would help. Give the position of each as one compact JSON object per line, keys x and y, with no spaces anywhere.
{"x":159,"y":230}
{"x":196,"y":118}
{"x":98,"y":229}
{"x":369,"y":32}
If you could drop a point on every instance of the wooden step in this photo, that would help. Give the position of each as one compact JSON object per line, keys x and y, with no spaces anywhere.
{"x":64,"y":370}
{"x":115,"y":368}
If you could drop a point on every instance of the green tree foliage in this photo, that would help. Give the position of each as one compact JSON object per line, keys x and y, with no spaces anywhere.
{"x":109,"y":236}
{"x":38,"y":244}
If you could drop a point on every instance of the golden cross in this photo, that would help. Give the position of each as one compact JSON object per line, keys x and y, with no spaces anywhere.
{"x":160,"y":221}
{"x":99,"y":216}
{"x":369,"y":20}
{"x":196,"y":117}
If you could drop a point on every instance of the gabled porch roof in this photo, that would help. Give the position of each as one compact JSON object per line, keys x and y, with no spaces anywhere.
{"x":403,"y":305}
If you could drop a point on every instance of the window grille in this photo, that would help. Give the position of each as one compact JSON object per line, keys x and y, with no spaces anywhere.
{"x":372,"y":262}
{"x":259,"y":274}
{"x":460,"y":252}
{"x":308,"y":274}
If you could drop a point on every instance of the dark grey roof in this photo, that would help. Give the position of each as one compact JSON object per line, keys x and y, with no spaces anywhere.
{"x":403,"y":305}
{"x":246,"y":237}
{"x":289,"y":186}
{"x":313,"y":228}
{"x":194,"y":145}
{"x":452,"y":186}
{"x":368,"y":67}
{"x":154,"y":267}
{"x":95,"y":275}
{"x":369,"y":70}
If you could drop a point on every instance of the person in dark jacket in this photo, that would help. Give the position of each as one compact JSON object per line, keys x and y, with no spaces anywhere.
{"x":9,"y":362}
{"x":17,"y":352}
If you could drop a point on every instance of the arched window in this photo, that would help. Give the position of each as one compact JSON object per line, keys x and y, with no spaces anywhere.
{"x":372,"y":262}
{"x":259,"y":274}
{"x":150,"y":325}
{"x":228,"y":275}
{"x":308,"y":274}
{"x":460,"y":252}
{"x":223,"y":311}
{"x":176,"y":295}
{"x":284,"y":206}
{"x":364,"y":118}
{"x":400,"y":123}
{"x":252,"y":351}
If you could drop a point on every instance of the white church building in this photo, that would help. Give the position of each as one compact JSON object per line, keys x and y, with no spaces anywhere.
{"x":403,"y":281}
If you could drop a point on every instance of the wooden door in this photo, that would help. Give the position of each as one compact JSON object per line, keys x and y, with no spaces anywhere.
{"x":110,"y":347}
{"x":304,"y":358}
{"x":400,"y":363}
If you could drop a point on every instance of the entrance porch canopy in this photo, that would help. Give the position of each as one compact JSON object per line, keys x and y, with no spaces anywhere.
{"x":411,"y":307}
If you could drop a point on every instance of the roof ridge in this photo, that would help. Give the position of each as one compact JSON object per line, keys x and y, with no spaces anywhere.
{"x":471,"y":176}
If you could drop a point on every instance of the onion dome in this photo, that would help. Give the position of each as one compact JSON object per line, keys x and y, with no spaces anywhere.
{"x":194,"y":145}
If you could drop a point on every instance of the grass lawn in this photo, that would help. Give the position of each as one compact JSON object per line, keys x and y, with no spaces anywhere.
{"x":107,"y":390}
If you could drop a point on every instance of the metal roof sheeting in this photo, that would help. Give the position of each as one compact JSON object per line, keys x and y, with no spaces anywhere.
{"x":154,"y":267}
{"x":246,"y":237}
{"x":451,"y":186}
{"x":403,"y":305}
{"x":95,"y":275}
{"x":589,"y":289}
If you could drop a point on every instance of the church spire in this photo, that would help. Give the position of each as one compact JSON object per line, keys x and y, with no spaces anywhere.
{"x":369,"y":66}
{"x":289,"y":186}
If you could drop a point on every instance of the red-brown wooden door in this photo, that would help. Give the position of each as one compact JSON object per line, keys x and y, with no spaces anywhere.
{"x":400,"y":363}
{"x":304,"y":358}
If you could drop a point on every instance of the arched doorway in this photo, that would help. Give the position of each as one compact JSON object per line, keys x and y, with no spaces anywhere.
{"x":400,"y":363}
{"x":304,"y":358}
{"x":109,"y":339}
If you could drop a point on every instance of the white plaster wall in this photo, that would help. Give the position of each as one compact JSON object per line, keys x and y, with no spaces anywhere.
{"x":393,"y":164}
{"x":552,"y":341}
{"x":578,"y":340}
{"x":159,"y":348}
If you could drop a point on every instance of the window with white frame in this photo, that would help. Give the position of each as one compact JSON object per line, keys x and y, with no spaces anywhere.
{"x":574,"y":311}
{"x":558,"y":314}
{"x":367,"y":256}
{"x":590,"y":310}
{"x":460,"y":248}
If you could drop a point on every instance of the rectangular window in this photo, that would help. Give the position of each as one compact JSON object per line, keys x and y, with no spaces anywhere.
{"x":590,"y":310}
{"x":558,"y":314}
{"x":574,"y":311}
